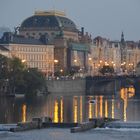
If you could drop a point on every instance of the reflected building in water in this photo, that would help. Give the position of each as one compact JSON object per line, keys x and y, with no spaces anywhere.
{"x":72,"y":108}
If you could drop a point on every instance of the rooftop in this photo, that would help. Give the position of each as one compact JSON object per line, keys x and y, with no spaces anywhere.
{"x":10,"y":38}
{"x":50,"y":13}
{"x":2,"y":48}
{"x":49,"y":19}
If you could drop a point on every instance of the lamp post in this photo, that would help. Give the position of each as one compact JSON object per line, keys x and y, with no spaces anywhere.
{"x":61,"y":70}
{"x":90,"y":65}
{"x":24,"y":62}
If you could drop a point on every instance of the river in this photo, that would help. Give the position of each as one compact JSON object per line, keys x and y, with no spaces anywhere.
{"x":123,"y":106}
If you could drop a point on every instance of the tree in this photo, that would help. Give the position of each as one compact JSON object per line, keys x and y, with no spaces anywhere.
{"x":4,"y":67}
{"x":107,"y":70}
{"x":33,"y":81}
{"x":18,"y":78}
{"x":15,"y":76}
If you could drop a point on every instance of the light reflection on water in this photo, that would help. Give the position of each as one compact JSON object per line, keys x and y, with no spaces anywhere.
{"x":72,"y":108}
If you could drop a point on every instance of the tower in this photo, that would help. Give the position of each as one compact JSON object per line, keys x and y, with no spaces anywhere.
{"x":122,"y":39}
{"x":123,"y":52}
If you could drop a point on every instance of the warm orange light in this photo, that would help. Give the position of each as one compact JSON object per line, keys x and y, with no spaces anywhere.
{"x":106,"y":109}
{"x":90,"y":59}
{"x":56,"y":111}
{"x":24,"y":109}
{"x":113,"y":109}
{"x":96,"y":106}
{"x":81,"y":109}
{"x":101,"y":106}
{"x":90,"y":111}
{"x":55,"y":61}
{"x":61,"y":110}
{"x":23,"y":61}
{"x":75,"y":105}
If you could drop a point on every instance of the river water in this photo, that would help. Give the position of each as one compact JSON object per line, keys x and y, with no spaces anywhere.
{"x":122,"y":105}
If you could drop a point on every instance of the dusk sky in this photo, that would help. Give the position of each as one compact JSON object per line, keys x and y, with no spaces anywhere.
{"x":106,"y":18}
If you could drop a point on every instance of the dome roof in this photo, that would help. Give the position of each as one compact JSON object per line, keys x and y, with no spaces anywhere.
{"x":49,"y":20}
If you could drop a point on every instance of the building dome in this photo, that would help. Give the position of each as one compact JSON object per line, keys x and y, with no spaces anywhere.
{"x":51,"y":19}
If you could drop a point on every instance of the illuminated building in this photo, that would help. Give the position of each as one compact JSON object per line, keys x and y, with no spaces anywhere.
{"x":50,"y":23}
{"x":60,"y":31}
{"x":32,"y":52}
{"x":122,"y":55}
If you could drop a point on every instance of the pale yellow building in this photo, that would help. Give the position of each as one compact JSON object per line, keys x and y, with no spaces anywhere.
{"x":132,"y":56}
{"x":104,"y":52}
{"x":33,"y":53}
{"x":57,"y":28}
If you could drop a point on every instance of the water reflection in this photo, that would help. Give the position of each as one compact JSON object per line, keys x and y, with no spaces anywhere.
{"x":72,"y":108}
{"x":24,"y":111}
{"x":61,"y":110}
{"x":106,"y":109}
{"x":125,"y":94}
{"x":81,"y":108}
{"x":113,"y":109}
{"x":56,"y":117}
{"x":75,"y":109}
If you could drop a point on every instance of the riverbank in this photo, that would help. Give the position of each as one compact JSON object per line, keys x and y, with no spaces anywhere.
{"x":64,"y":134}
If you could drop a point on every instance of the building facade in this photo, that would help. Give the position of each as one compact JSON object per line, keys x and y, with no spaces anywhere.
{"x":32,"y":52}
{"x":50,"y":23}
{"x":59,"y":31}
{"x":122,"y":55}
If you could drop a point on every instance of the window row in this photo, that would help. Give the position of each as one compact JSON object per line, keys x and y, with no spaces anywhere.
{"x":40,"y":34}
{"x":35,"y":57}
{"x":30,"y":49}
{"x":40,"y":65}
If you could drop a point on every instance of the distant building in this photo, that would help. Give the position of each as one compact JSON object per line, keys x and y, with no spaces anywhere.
{"x":122,"y":55}
{"x":3,"y":29}
{"x":104,"y":52}
{"x":4,"y":51}
{"x":53,"y":24}
{"x":60,"y":31}
{"x":32,"y":52}
{"x":137,"y":71}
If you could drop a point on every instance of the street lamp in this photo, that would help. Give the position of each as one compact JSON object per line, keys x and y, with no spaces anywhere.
{"x":89,"y":58}
{"x":23,"y":61}
{"x":90,"y":65}
{"x":56,"y":61}
{"x":61,"y":70}
{"x":75,"y":61}
{"x":55,"y":65}
{"x":101,"y":61}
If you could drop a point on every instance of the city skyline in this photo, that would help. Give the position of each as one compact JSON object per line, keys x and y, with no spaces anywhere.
{"x":107,"y":19}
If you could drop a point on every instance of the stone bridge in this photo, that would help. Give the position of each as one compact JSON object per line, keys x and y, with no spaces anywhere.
{"x":108,"y":85}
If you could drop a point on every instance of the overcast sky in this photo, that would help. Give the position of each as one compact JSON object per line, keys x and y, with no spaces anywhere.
{"x":107,"y":18}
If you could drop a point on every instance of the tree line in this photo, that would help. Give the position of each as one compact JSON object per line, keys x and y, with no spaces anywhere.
{"x":15,"y":77}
